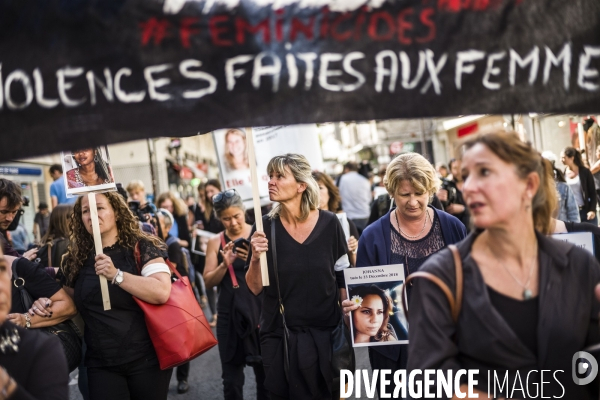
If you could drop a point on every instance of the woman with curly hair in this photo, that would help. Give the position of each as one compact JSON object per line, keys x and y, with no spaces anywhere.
{"x":119,"y":349}
{"x":371,"y":321}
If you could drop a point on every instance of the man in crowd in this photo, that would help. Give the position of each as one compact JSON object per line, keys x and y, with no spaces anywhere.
{"x":355,"y":191}
{"x":455,"y":204}
{"x":41,"y":222}
{"x":10,"y":204}
{"x":58,"y":193}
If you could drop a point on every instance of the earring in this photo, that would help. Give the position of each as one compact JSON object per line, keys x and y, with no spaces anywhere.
{"x":96,"y":158}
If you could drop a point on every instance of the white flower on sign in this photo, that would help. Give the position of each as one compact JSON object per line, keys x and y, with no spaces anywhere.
{"x":357,"y":300}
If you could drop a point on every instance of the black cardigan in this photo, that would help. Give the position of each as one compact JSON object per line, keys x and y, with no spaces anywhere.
{"x":588,"y":187}
{"x":39,"y":367}
{"x":567,"y":320}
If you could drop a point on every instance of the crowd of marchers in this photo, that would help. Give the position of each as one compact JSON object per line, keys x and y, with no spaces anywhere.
{"x":525,"y":301}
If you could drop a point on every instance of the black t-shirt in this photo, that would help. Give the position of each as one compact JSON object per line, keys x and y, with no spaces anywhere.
{"x":306,"y":275}
{"x":117,"y":336}
{"x":520,"y":315}
{"x":37,"y":283}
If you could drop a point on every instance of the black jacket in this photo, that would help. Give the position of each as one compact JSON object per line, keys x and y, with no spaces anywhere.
{"x":567,"y":320}
{"x":588,"y":187}
{"x":39,"y":367}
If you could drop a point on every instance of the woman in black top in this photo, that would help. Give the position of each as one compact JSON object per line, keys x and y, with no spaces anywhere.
{"x":120,"y":357}
{"x":575,"y":170}
{"x":528,"y":303}
{"x":203,"y":212}
{"x":32,"y":365}
{"x":237,"y":326}
{"x":309,"y":242}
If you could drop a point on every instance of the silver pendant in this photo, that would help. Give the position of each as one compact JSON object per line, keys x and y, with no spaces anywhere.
{"x":527,"y":294}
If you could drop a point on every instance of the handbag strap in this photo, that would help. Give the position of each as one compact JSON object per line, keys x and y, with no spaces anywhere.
{"x":274,"y":254}
{"x":138,"y":263}
{"x":230,"y":266}
{"x":50,"y":254}
{"x":455,"y":302}
{"x":25,"y":296}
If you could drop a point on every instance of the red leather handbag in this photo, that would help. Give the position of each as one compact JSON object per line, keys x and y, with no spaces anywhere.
{"x":178,"y":329}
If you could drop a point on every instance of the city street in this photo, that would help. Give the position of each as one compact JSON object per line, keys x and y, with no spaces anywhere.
{"x":205,"y":378}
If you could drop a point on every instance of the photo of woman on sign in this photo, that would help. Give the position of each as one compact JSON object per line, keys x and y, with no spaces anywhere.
{"x":371,"y":321}
{"x":236,"y":153}
{"x":89,"y":169}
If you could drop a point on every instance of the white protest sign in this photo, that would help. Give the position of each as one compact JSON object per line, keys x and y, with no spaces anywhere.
{"x":584,"y":240}
{"x":378,"y":291}
{"x":88,"y":171}
{"x":232,"y":152}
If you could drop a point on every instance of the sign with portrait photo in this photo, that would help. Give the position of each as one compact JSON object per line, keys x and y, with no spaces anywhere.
{"x":232,"y":152}
{"x":88,"y":171}
{"x":379,"y":319}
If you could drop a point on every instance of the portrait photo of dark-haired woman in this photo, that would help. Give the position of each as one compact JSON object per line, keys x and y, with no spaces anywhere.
{"x":89,"y":169}
{"x":374,"y":321}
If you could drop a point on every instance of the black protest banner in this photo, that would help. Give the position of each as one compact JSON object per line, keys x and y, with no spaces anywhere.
{"x":82,"y":73}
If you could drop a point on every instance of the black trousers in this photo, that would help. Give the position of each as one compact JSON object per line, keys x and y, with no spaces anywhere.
{"x":182,"y":372}
{"x":233,"y":382}
{"x":141,"y":379}
{"x":379,"y":361}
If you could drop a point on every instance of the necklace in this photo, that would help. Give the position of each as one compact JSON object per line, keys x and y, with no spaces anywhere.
{"x":527,"y":294}
{"x":408,"y":236}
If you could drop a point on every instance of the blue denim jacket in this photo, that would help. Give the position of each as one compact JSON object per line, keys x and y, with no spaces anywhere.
{"x":567,"y":207}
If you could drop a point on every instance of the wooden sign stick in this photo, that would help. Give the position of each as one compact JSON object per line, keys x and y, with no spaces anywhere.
{"x":256,"y":198}
{"x":98,"y":244}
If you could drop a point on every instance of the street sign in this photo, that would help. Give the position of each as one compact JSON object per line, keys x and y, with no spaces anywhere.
{"x":20,"y":171}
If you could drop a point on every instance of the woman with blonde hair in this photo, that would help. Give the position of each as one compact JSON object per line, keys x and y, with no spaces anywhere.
{"x":302,"y":244}
{"x":119,"y":349}
{"x":236,"y":154}
{"x":528,"y":302}
{"x":178,"y":208}
{"x":408,"y":234}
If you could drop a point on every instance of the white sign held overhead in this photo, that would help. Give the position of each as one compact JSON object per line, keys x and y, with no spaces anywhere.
{"x":232,"y":152}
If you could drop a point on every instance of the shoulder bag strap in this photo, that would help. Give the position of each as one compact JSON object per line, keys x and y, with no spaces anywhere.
{"x":454,"y":301}
{"x":50,"y":254}
{"x":138,"y":263}
{"x":230,"y":266}
{"x":274,"y":252}
{"x":286,"y":332}
{"x":19,"y":283}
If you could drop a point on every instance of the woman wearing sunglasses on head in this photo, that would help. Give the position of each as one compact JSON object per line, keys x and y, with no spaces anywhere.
{"x":307,"y":244}
{"x":237,"y":326}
